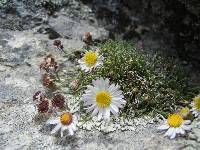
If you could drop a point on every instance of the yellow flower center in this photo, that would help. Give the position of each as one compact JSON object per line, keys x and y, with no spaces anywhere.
{"x":90,"y":58}
{"x":103,"y":99}
{"x":184,"y":111}
{"x":66,"y":118}
{"x":175,"y":120}
{"x":197,"y":103}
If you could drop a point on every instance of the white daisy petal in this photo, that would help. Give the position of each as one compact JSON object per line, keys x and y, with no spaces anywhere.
{"x":95,"y":111}
{"x":173,"y":135}
{"x":75,"y":120}
{"x":91,"y":108}
{"x":61,"y":131}
{"x":187,"y":122}
{"x":71,"y":131}
{"x":118,"y":104}
{"x":58,"y":126}
{"x":107,"y":114}
{"x":163,"y":127}
{"x":53,"y":121}
{"x":184,"y":127}
{"x":169,"y":132}
{"x":100,"y":114}
{"x":114,"y":109}
{"x":181,"y":131}
{"x":64,"y":128}
{"x":73,"y":126}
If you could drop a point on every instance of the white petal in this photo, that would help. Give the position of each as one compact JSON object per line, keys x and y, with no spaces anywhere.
{"x":106,"y":83}
{"x":169,"y":132}
{"x":98,"y":83}
{"x":184,"y":127}
{"x":173,"y":135}
{"x":181,"y":131}
{"x":95,"y":111}
{"x":118,"y":93}
{"x":71,"y":131}
{"x":107,"y":114}
{"x":112,"y":88}
{"x":163,"y":127}
{"x":53,"y":121}
{"x":92,"y":89}
{"x":72,"y":125}
{"x":95,"y":83}
{"x":187,"y":122}
{"x":61,"y":131}
{"x":80,"y":61}
{"x":74,"y":119}
{"x":58,"y":126}
{"x":102,"y":84}
{"x":88,"y":103}
{"x":114,"y":109}
{"x":91,"y":108}
{"x":100,"y":114}
{"x":117,"y":104}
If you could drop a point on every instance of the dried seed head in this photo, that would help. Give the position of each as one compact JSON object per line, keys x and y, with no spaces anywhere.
{"x":87,"y":38}
{"x":58,"y":101}
{"x":57,"y":43}
{"x":38,"y":96}
{"x":48,"y":81}
{"x":43,"y":106}
{"x":49,"y":63}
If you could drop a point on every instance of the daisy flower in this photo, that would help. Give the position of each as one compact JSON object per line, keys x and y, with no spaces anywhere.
{"x":91,"y":60}
{"x":103,"y":98}
{"x":196,"y":106}
{"x":174,"y":125}
{"x":66,"y":121}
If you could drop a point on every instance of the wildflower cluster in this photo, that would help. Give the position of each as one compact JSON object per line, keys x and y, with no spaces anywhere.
{"x":117,"y":76}
{"x":177,"y":123}
{"x":116,"y":80}
{"x":149,"y":83}
{"x":52,"y":101}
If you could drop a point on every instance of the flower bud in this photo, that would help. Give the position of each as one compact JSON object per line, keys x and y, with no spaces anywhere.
{"x":74,"y":85}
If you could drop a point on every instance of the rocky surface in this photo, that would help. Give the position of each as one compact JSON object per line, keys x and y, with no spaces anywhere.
{"x":26,"y":36}
{"x":170,"y":26}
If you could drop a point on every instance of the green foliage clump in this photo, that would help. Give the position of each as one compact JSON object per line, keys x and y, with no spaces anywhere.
{"x":150,"y":83}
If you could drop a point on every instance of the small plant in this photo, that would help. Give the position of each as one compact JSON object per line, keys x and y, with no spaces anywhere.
{"x":149,"y":84}
{"x":113,"y":84}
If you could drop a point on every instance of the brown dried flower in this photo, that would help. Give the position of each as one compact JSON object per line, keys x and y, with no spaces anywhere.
{"x":38,"y":96}
{"x":87,"y":38}
{"x":43,"y":106}
{"x":49,"y":63}
{"x":48,"y":81}
{"x":58,"y":101}
{"x":57,"y":43}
